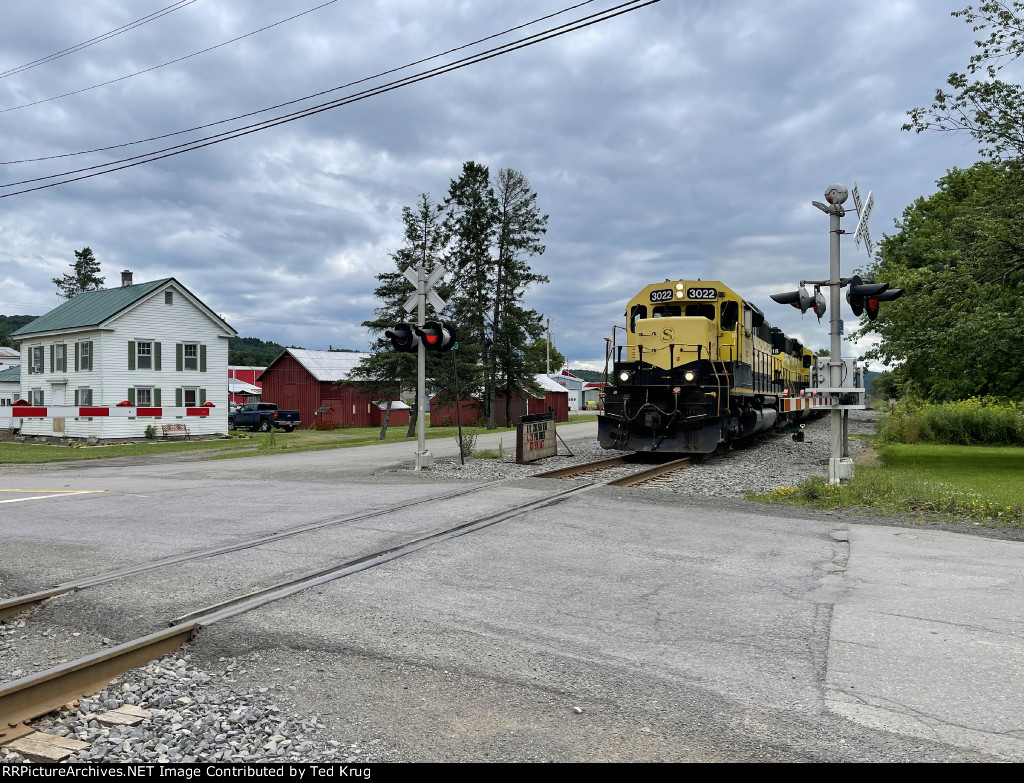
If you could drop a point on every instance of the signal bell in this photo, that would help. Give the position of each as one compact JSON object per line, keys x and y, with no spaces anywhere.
{"x":437,"y":336}
{"x":402,"y":337}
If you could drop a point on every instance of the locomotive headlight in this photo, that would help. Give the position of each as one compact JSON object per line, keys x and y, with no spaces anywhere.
{"x":624,"y":376}
{"x":679,"y":286}
{"x":690,"y":376}
{"x":680,"y":295}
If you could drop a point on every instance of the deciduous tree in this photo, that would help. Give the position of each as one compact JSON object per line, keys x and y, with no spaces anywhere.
{"x":959,"y":256}
{"x":978,"y":101}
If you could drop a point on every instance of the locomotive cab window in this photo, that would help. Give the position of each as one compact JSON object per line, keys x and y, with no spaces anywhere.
{"x":730,"y":315}
{"x":701,"y":310}
{"x":638,"y":312}
{"x":666,"y":311}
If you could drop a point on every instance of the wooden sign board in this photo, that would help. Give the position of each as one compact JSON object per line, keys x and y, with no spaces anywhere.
{"x":535,"y":438}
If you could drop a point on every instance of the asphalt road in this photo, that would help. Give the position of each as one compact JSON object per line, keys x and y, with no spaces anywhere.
{"x":620,"y":625}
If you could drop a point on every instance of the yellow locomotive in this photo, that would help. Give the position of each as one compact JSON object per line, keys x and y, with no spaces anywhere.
{"x":699,"y":367}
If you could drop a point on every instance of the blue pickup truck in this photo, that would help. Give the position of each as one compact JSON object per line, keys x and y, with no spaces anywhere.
{"x":262,"y":417}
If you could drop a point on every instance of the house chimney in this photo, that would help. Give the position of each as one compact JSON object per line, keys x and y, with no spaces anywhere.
{"x":126,"y":278}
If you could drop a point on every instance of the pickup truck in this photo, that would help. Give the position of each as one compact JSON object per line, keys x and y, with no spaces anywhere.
{"x":262,"y":416}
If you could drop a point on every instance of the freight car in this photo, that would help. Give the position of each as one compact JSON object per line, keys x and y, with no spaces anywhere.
{"x":699,"y":367}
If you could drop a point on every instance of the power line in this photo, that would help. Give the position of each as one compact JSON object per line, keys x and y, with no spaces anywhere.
{"x":300,"y":100}
{"x":167,"y":152}
{"x":169,"y":62}
{"x":98,"y":39}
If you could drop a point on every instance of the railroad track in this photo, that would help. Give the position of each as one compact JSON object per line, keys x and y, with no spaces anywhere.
{"x":28,"y":698}
{"x":636,"y":474}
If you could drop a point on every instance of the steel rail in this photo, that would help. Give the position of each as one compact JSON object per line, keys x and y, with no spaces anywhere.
{"x":29,"y":697}
{"x":586,"y":467}
{"x":12,"y":606}
{"x":647,"y":475}
{"x":32,"y":696}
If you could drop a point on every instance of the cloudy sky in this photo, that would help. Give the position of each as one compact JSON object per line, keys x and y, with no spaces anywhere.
{"x":684,"y":139}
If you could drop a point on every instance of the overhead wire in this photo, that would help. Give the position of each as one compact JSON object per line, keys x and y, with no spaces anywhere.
{"x":306,"y":97}
{"x":98,"y":39}
{"x":169,"y":62}
{"x":195,"y":144}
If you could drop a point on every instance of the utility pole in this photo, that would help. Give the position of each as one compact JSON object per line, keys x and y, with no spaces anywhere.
{"x":547,"y":361}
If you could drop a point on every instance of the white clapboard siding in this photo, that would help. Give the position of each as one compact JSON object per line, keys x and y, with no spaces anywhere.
{"x":149,"y":320}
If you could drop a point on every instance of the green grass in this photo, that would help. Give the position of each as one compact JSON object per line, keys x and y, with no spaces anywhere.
{"x":256,"y":444}
{"x":980,"y":483}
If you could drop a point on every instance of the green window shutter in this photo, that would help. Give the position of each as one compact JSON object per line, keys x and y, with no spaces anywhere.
{"x":131,"y":395}
{"x":202,"y":396}
{"x":77,"y":403}
{"x":90,"y":353}
{"x":64,"y":359}
{"x":76,"y":357}
{"x":131,"y":354}
{"x":156,"y":357}
{"x":177,"y":396}
{"x":178,"y":362}
{"x":53,"y":358}
{"x":156,"y":397}
{"x":202,"y":358}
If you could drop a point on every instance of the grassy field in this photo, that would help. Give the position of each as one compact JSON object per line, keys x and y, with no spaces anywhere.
{"x":983,"y":484}
{"x":241,"y":445}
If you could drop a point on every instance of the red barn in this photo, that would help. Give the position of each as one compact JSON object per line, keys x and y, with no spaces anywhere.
{"x":555,"y":397}
{"x":305,"y":380}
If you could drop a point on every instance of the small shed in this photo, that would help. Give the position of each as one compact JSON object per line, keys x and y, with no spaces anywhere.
{"x":400,"y":413}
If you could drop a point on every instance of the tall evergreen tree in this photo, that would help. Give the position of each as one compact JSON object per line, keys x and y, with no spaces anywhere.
{"x":86,"y":276}
{"x":492,"y":231}
{"x":387,"y":372}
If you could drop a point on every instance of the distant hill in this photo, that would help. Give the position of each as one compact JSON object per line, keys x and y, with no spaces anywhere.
{"x":12,"y":323}
{"x":590,"y":376}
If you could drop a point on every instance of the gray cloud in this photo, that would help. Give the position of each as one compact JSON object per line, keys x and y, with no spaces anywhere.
{"x":683,"y":140}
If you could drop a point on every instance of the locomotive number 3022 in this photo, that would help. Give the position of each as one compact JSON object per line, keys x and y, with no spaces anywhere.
{"x":701,"y":293}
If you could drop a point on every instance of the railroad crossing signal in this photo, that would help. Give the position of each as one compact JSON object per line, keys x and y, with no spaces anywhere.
{"x":403,"y":338}
{"x":437,"y":336}
{"x":860,"y":290}
{"x":871,"y":304}
{"x":799,"y":299}
{"x":412,"y":275}
{"x":863,"y":213}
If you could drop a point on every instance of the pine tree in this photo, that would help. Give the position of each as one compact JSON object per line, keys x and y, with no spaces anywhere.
{"x":387,"y":372}
{"x":519,"y":228}
{"x":85,"y":278}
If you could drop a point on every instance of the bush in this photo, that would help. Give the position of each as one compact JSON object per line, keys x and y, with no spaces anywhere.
{"x":977,"y":421}
{"x":467,"y":444}
{"x":151,"y":432}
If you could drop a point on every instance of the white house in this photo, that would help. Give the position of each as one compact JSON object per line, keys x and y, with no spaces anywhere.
{"x":150,"y":344}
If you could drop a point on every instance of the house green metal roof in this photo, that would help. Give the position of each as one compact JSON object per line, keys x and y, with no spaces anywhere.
{"x":92,"y":308}
{"x":10,"y":375}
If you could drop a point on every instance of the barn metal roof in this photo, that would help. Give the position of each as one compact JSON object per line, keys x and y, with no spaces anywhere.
{"x":327,"y":365}
{"x":547,"y":384}
{"x":10,"y":375}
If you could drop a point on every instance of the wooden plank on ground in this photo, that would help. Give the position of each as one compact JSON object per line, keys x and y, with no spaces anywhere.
{"x":46,"y":748}
{"x":125,"y":715}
